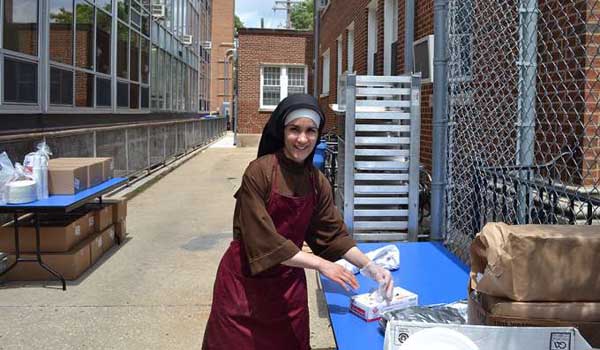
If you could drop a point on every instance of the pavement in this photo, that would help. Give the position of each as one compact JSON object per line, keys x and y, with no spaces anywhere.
{"x":155,"y":290}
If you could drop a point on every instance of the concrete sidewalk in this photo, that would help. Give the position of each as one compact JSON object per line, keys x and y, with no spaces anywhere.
{"x":155,"y":290}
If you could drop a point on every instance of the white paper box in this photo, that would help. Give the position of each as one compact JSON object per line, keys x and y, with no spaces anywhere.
{"x":367,"y":308}
{"x":493,"y":337}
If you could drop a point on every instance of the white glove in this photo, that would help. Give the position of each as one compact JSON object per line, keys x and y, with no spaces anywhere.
{"x":383,"y":278}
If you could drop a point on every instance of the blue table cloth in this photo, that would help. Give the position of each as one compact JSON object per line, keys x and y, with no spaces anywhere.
{"x":426,"y":269}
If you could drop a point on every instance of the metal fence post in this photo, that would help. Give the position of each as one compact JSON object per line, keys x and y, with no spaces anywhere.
{"x":414,"y":157}
{"x":349,"y":152}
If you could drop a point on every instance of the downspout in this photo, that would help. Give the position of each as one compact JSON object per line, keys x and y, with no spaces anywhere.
{"x":440,"y":120}
{"x":409,"y":35}
{"x":316,"y":26}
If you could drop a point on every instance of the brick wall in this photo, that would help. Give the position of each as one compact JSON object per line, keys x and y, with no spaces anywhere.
{"x":335,"y":21}
{"x":266,"y":46}
{"x":222,"y":37}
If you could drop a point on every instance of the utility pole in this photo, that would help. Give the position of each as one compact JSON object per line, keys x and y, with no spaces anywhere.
{"x":286,"y":5}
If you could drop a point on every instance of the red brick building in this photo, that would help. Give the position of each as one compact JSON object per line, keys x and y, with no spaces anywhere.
{"x":272,"y":64}
{"x":222,"y":41}
{"x":367,"y":37}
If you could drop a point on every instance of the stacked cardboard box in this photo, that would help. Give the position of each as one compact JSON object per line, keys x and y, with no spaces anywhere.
{"x":536,"y":275}
{"x":69,"y":243}
{"x":119,"y":217}
{"x":71,"y":175}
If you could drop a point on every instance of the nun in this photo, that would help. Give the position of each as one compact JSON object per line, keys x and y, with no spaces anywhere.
{"x":260,"y":295}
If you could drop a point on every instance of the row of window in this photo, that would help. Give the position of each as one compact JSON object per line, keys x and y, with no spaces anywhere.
{"x":97,"y":54}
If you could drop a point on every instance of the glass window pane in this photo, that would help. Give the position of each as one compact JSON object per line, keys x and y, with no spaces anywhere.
{"x":122,"y":50}
{"x":145,"y":60}
{"x":84,"y":34}
{"x":103,"y":93}
{"x":145,"y":94}
{"x":103,"y":25}
{"x":21,"y":26}
{"x":61,"y":31}
{"x":295,"y":80}
{"x":20,"y":81}
{"x":134,"y":57}
{"x":271,"y":86}
{"x":134,"y":96}
{"x":123,"y":10}
{"x":84,"y":89}
{"x":136,"y":19}
{"x":61,"y":87}
{"x":122,"y":94}
{"x":146,"y":25}
{"x":105,"y":5}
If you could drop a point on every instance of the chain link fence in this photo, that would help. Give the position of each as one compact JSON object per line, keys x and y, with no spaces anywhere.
{"x":524,"y":114}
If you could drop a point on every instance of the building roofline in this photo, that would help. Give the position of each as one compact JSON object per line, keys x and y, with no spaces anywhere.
{"x":273,"y":31}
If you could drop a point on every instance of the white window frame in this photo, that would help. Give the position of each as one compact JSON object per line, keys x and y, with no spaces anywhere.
{"x":326,"y":71}
{"x":429,"y":39}
{"x":390,"y":33}
{"x":350,"y":49}
{"x":283,"y":82}
{"x":371,"y":37}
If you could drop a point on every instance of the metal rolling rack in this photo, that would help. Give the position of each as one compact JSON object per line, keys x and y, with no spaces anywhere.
{"x":378,"y":156}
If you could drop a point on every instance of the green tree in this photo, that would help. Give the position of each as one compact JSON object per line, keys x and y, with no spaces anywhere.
{"x":237,"y":23}
{"x":302,"y":15}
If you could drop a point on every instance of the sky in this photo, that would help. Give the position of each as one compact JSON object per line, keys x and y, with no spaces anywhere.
{"x":251,"y":11}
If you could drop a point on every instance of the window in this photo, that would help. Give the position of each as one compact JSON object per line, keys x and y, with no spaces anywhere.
{"x":350,"y":48}
{"x":271,"y":91}
{"x":279,"y":82}
{"x":390,"y":33}
{"x":61,"y":31}
{"x":84,"y":89}
{"x":103,"y":95}
{"x":326,"y":63}
{"x":122,"y":50}
{"x":21,"y":77}
{"x":372,"y":38}
{"x":84,"y":34}
{"x":103,"y":26}
{"x":61,"y":87}
{"x":21,"y":26}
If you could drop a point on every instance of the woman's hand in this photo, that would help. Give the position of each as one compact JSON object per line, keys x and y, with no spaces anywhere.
{"x":338,"y":274}
{"x":382,"y":276}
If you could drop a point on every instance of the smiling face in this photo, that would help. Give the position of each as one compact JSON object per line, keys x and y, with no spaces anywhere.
{"x":300,"y":137}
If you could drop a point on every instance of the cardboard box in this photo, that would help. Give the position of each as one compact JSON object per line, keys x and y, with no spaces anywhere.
{"x":103,"y":216}
{"x":70,"y":265}
{"x":121,"y":230}
{"x":66,"y":179}
{"x":492,"y":311}
{"x":119,"y":209}
{"x":101,"y":244}
{"x":367,"y":308}
{"x":108,"y":238}
{"x":57,"y":233}
{"x":492,"y":338}
{"x":537,"y":262}
{"x":108,"y":168}
{"x":95,"y":168}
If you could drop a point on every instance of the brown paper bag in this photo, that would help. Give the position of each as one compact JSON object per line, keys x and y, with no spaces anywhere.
{"x":537,"y":262}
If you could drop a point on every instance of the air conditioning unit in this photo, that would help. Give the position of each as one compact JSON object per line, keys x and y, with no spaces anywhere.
{"x":207,"y":45}
{"x":322,"y":4}
{"x":159,"y":11}
{"x":186,"y":39}
{"x":423,"y":58}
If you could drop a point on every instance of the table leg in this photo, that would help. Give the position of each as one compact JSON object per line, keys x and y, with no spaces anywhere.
{"x":17,"y":248}
{"x":39,"y":254}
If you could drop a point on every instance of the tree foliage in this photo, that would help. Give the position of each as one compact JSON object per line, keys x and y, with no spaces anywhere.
{"x":237,"y":23}
{"x":302,"y":15}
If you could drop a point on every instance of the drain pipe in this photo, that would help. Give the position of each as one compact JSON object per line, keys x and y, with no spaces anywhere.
{"x":440,"y":120}
{"x":409,"y":35}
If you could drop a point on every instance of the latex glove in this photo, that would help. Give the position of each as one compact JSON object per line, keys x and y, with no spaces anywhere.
{"x":383,"y":278}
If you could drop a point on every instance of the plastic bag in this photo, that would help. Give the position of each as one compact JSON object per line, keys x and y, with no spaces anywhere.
{"x":36,"y":164}
{"x":387,"y":256}
{"x":453,"y":313}
{"x":7,"y":174}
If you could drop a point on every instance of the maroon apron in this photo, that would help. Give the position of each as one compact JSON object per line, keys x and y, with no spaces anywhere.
{"x":268,"y":310}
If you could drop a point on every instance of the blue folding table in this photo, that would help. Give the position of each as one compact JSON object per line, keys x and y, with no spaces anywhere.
{"x":60,"y":204}
{"x":426,"y":269}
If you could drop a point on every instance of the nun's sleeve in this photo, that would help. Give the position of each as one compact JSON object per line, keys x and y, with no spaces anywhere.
{"x":265,"y":247}
{"x":327,"y":236}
